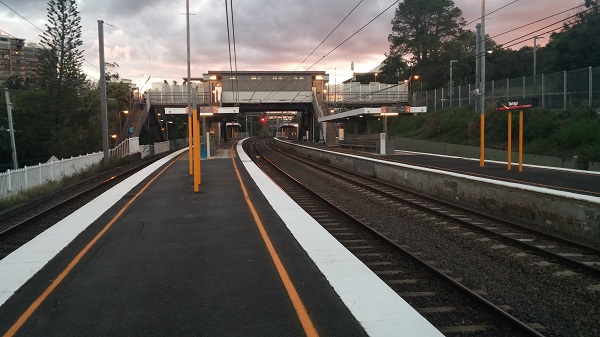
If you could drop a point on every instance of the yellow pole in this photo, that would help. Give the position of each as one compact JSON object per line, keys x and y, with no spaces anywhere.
{"x":196,"y":132}
{"x":190,"y":144}
{"x":521,"y":141}
{"x":481,"y":145}
{"x":509,"y":139}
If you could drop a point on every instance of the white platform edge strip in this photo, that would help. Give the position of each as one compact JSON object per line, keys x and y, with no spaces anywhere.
{"x":22,"y":264}
{"x":373,"y":303}
{"x":524,"y":187}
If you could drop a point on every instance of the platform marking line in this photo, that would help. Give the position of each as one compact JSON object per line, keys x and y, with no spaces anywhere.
{"x":301,"y":312}
{"x":36,"y":304}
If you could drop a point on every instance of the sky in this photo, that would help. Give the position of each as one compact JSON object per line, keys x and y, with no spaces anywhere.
{"x":147,"y":38}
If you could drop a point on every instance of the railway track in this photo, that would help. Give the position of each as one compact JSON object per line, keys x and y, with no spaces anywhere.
{"x":23,"y":223}
{"x":451,"y":306}
{"x":572,"y":254}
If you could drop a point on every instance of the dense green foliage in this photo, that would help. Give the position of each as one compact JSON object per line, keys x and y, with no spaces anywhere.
{"x":60,"y":74}
{"x":561,"y":134}
{"x":59,"y":113}
{"x":427,"y":34}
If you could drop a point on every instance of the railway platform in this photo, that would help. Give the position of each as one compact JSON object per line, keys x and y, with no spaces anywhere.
{"x":151,"y":258}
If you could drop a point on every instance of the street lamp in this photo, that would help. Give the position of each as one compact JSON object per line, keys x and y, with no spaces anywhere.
{"x":535,"y":62}
{"x":451,"y":88}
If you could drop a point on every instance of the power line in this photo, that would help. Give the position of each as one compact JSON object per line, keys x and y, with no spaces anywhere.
{"x":328,"y":35}
{"x":358,"y":31}
{"x":546,"y":32}
{"x":38,"y":28}
{"x":312,"y":52}
{"x":229,"y":44}
{"x":550,"y":25}
{"x":351,"y":36}
{"x":237,"y":93}
{"x":534,"y":22}
{"x":492,"y":12}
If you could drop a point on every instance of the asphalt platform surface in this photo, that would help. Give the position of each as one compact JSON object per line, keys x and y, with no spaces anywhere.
{"x":180,"y":263}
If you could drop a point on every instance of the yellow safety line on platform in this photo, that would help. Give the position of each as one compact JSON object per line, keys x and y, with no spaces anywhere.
{"x":33,"y":307}
{"x":303,"y":316}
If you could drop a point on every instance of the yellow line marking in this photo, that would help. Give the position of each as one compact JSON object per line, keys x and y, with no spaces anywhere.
{"x":35,"y":305}
{"x":301,"y":312}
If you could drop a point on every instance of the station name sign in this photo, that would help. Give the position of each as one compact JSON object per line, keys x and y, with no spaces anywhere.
{"x":519,"y":104}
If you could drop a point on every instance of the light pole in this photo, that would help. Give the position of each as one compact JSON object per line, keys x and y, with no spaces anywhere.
{"x":451,"y":88}
{"x":418,"y":78}
{"x":120,"y":125}
{"x":167,"y":123}
{"x":535,"y":62}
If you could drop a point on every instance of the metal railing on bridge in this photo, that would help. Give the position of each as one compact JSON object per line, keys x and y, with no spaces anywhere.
{"x":374,"y":93}
{"x":179,"y":98}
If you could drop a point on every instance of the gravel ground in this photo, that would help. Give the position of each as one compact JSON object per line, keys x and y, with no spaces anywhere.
{"x":537,"y":292}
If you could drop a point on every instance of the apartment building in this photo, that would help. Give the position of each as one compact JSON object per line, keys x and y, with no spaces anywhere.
{"x":17,"y":58}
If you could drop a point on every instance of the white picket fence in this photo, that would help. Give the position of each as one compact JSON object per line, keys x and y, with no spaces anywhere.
{"x":15,"y":181}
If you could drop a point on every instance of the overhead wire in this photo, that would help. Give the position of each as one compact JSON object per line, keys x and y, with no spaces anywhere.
{"x":312,"y":52}
{"x":237,"y":92}
{"x":229,"y":46}
{"x":22,"y":17}
{"x":540,"y":20}
{"x":545,"y":32}
{"x":492,"y":12}
{"x":38,"y":28}
{"x":550,"y":25}
{"x":351,"y":36}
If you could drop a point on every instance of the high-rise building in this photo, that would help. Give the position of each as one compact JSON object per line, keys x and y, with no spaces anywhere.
{"x":17,"y":58}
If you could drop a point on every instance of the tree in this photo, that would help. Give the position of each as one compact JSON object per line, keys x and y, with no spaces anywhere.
{"x":577,"y":45}
{"x":60,"y":74}
{"x":421,"y":27}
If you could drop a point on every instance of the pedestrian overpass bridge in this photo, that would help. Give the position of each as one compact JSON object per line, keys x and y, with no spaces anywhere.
{"x":234,"y":96}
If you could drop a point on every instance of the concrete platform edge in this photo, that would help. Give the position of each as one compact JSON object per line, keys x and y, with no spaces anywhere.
{"x":373,"y":303}
{"x":22,"y":264}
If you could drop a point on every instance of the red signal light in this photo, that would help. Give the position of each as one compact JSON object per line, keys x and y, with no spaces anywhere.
{"x":263,"y":119}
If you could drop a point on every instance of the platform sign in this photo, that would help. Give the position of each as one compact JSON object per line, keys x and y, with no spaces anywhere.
{"x":518,"y":104}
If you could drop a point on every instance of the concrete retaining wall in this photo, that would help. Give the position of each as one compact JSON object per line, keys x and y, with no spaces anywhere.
{"x":419,"y":145}
{"x":537,"y":207}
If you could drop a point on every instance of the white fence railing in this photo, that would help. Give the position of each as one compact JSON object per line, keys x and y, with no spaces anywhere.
{"x":15,"y":181}
{"x":128,"y":146}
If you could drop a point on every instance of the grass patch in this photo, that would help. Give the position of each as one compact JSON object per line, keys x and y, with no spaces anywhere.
{"x":563,"y":134}
{"x":53,"y":186}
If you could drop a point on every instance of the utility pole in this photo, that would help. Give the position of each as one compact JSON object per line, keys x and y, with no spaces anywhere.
{"x":482,"y":88}
{"x":535,"y":62}
{"x":483,"y":53}
{"x":477,"y":64}
{"x":189,"y":89}
{"x":103,"y":91}
{"x":451,"y":88}
{"x":11,"y":130}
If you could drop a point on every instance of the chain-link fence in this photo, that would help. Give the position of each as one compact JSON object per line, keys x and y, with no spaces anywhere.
{"x":556,"y":91}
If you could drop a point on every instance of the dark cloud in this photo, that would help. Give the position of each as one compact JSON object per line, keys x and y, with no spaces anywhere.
{"x":270,"y":35}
